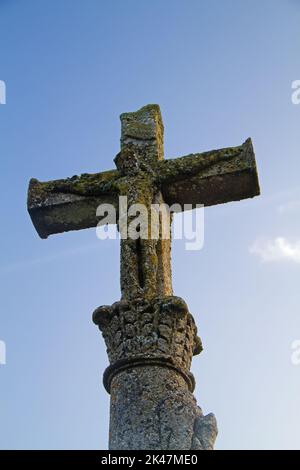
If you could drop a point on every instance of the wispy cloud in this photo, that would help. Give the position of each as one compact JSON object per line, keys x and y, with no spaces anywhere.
{"x":25,"y":264}
{"x":277,"y":249}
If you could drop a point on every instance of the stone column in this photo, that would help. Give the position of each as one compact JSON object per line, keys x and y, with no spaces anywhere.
{"x":150,"y":344}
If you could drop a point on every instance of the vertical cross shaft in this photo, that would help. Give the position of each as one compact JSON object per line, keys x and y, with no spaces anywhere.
{"x":150,"y":335}
{"x":145,"y":262}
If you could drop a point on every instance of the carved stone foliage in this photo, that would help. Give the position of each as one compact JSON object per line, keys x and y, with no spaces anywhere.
{"x":146,"y":331}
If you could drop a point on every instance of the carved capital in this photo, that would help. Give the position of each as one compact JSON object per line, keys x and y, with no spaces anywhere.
{"x":161,"y":331}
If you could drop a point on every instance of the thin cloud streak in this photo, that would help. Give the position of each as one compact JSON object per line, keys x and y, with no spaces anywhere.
{"x":277,"y":249}
{"x":46,"y":259}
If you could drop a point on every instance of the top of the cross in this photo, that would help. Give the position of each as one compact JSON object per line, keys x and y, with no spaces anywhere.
{"x":146,"y":113}
{"x":142,"y":139}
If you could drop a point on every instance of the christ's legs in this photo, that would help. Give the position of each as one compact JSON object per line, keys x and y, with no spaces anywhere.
{"x":149,"y":261}
{"x":130,"y":283}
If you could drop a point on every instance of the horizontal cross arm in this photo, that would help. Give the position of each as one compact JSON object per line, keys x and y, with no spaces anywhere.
{"x":210,"y":178}
{"x":70,"y":204}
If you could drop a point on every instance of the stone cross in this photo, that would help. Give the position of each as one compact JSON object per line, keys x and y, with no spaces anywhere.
{"x":150,"y":334}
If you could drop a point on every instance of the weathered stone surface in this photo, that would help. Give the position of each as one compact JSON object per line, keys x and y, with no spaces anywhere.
{"x":150,"y":345}
{"x":152,"y":408}
{"x":210,"y":178}
{"x":205,"y":178}
{"x":64,"y":205}
{"x":205,"y":432}
{"x":145,"y":332}
{"x":144,"y":177}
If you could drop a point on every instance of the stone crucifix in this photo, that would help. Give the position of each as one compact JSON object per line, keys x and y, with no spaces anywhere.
{"x":150,"y":334}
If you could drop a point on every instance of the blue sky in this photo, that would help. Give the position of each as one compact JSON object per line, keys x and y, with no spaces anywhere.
{"x":221,"y":71}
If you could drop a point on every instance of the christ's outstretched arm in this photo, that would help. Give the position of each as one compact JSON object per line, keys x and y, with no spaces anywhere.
{"x":192,"y":164}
